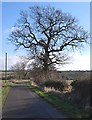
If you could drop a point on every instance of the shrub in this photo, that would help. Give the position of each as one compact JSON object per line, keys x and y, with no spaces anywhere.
{"x":81,"y":94}
{"x":56,"y":84}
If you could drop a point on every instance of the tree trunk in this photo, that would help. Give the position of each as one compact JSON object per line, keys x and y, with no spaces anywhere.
{"x":46,"y":70}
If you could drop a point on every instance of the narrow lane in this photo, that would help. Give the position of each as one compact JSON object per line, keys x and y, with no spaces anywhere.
{"x":22,"y":102}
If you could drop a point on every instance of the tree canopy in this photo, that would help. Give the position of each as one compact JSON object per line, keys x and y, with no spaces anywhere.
{"x":49,"y":34}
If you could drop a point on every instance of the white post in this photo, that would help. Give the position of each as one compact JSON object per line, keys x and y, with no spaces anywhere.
{"x":6,"y":67}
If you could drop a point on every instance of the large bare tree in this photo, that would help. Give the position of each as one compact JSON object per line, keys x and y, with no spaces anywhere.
{"x":49,"y":34}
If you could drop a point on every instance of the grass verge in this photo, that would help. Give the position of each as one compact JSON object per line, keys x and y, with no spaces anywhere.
{"x":69,"y":108}
{"x":5,"y":91}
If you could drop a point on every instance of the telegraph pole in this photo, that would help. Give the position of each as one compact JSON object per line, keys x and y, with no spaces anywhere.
{"x":5,"y":67}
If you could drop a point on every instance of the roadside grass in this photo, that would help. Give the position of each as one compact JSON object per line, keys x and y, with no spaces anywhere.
{"x":5,"y":91}
{"x":70,"y":109}
{"x":0,"y":98}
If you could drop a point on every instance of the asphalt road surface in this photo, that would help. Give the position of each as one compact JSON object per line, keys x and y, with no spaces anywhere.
{"x":22,"y":102}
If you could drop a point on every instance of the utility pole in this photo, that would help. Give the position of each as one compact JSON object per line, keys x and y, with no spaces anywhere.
{"x":5,"y":67}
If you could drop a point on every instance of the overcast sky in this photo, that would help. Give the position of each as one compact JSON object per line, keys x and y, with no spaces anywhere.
{"x":10,"y":14}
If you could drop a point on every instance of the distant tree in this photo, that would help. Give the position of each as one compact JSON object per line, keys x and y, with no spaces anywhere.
{"x":19,"y":71}
{"x":49,"y":35}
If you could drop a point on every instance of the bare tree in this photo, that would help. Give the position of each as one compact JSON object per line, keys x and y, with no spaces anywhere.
{"x":19,"y":71}
{"x":49,"y":34}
